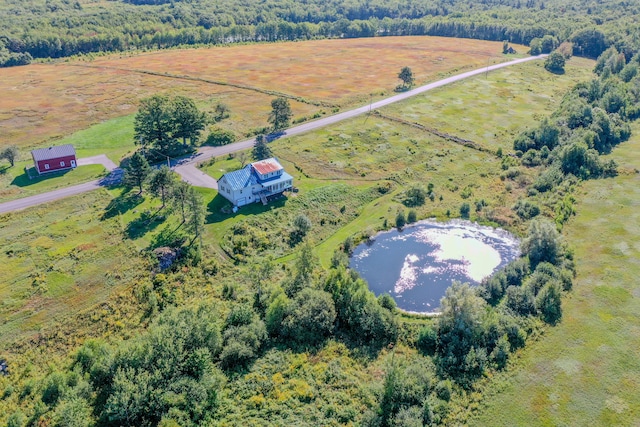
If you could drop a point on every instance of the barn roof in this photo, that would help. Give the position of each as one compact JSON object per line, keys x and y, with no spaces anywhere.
{"x":266,"y":166}
{"x":53,"y":152}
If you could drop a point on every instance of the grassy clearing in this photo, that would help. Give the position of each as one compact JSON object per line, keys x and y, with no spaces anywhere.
{"x":58,"y":259}
{"x":492,"y":110}
{"x":15,"y":183}
{"x":587,"y":369}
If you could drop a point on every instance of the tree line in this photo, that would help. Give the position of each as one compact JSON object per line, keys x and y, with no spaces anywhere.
{"x":66,"y":28}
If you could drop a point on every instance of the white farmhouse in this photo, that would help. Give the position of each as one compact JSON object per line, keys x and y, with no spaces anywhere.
{"x":255,"y":182}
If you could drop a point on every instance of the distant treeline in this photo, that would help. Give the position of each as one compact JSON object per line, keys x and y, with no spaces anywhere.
{"x":62,"y":28}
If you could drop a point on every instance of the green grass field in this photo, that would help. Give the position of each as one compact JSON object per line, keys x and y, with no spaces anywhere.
{"x":586,"y":371}
{"x":16,"y":183}
{"x":58,"y":259}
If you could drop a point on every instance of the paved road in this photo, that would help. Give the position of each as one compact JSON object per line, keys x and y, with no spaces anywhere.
{"x":113,"y":178}
{"x":187,"y":167}
{"x":206,"y":153}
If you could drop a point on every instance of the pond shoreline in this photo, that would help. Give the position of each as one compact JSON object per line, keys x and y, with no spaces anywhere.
{"x":416,"y":264}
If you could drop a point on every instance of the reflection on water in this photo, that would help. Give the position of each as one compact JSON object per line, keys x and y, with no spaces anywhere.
{"x":417,"y":265}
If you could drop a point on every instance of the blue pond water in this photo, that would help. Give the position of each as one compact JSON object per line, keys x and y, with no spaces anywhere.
{"x":417,"y":265}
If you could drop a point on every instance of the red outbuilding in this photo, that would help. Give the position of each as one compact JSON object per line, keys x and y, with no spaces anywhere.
{"x":54,"y":158}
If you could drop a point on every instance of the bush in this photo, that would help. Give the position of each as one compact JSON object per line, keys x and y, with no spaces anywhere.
{"x":548,"y":303}
{"x":219,"y":137}
{"x":526,"y":209}
{"x":400,"y":220}
{"x":310,"y":318}
{"x":415,"y":196}
{"x":465,"y":208}
{"x":542,"y":243}
{"x":427,"y":340}
{"x":412,"y":216}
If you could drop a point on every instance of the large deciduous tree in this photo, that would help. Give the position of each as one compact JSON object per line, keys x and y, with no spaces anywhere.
{"x":153,"y":125}
{"x":555,"y":63}
{"x":406,"y":75}
{"x":136,"y":171}
{"x":161,"y":120}
{"x":188,"y":120}
{"x":281,"y":114}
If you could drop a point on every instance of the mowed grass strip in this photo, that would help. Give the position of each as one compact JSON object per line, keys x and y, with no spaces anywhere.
{"x":586,"y":371}
{"x":15,"y":183}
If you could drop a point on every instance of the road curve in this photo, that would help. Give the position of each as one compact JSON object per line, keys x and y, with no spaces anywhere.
{"x":187,"y":167}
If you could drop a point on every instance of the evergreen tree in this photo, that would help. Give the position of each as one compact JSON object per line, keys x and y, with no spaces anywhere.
{"x":261,"y":150}
{"x":160,"y":182}
{"x":136,"y":171}
{"x":196,"y":215}
{"x":281,"y":114}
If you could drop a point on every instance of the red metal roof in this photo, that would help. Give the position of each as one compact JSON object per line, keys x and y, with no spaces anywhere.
{"x":266,"y":166}
{"x":53,"y":152}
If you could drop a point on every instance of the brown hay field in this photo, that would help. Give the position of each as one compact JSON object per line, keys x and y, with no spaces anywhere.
{"x":41,"y":102}
{"x":322,"y":71}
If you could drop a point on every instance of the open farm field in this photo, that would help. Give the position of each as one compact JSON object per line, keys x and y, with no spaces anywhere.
{"x":58,"y":259}
{"x":586,"y":370}
{"x":335,"y":72}
{"x":46,"y":104}
{"x":492,"y":110}
{"x":42,"y":104}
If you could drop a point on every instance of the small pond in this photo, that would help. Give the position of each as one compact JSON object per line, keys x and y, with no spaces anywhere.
{"x":416,"y":265}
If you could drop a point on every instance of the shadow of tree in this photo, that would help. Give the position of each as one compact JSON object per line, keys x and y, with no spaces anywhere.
{"x":220,"y":208}
{"x":173,"y":238}
{"x":145,"y":223}
{"x":121,"y":204}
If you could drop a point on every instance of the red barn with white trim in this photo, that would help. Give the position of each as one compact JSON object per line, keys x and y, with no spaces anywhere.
{"x":54,"y":159}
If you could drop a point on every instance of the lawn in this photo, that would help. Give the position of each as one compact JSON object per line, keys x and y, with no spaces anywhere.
{"x":586,"y":371}
{"x":16,"y":183}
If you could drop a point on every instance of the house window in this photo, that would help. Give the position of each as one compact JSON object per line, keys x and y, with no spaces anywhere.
{"x":228,"y":191}
{"x":62,"y":164}
{"x":46,"y":165}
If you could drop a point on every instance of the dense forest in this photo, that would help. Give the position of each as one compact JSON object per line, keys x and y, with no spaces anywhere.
{"x":61,"y":28}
